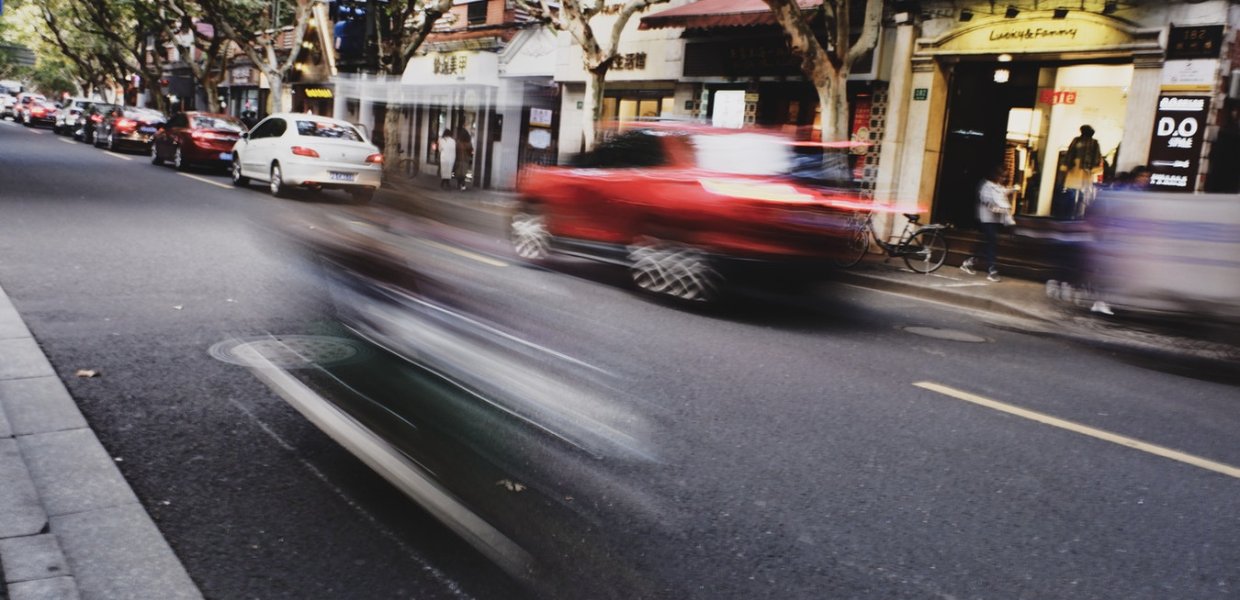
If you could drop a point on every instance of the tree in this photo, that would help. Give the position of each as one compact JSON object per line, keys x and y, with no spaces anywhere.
{"x":821,"y":39}
{"x":576,"y":18}
{"x":205,"y":55}
{"x":130,"y":33}
{"x":239,"y":20}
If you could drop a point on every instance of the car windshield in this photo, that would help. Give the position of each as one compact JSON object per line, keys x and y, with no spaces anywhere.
{"x":327,"y":129}
{"x":220,"y":123}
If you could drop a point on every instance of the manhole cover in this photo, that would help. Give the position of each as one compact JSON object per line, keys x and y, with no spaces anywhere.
{"x":954,"y":335}
{"x":288,"y":351}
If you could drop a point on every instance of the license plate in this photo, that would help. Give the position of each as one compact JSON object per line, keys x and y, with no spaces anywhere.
{"x":147,"y":130}
{"x":226,"y":156}
{"x":334,"y":176}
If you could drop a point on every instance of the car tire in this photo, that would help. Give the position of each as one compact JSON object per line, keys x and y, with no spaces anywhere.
{"x":276,"y":182}
{"x":528,"y":233}
{"x":674,"y":270}
{"x":178,"y":161}
{"x":155,"y":159}
{"x":362,"y":196}
{"x":238,"y":179}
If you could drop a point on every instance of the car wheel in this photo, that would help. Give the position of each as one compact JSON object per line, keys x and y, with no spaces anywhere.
{"x":238,"y":179}
{"x":362,"y":196}
{"x":177,"y":160}
{"x":676,"y":270}
{"x":155,"y":159}
{"x":527,"y":231}
{"x":278,"y":189}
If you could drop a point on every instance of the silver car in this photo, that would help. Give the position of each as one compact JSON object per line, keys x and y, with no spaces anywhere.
{"x":72,"y":111}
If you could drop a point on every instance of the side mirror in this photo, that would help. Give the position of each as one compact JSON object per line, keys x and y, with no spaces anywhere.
{"x":245,"y":135}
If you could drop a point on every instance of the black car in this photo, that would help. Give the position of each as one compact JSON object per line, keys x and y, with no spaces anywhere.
{"x":91,"y":121}
{"x":128,"y":127}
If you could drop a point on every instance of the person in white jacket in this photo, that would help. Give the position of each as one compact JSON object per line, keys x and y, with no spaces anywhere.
{"x":447,"y":159}
{"x":994,"y":211}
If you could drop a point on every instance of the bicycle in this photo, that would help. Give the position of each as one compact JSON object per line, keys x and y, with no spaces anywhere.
{"x":923,"y":247}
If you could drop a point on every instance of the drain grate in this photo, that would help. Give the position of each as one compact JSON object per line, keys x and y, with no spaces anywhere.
{"x":289,"y":351}
{"x":954,"y":335}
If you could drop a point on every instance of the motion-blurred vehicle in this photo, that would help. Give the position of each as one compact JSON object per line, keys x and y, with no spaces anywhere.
{"x":71,"y":112}
{"x":128,"y":127}
{"x":289,"y":150}
{"x":197,"y":138}
{"x":6,"y":104}
{"x":692,"y":210}
{"x":39,"y":112}
{"x":24,"y":101}
{"x":91,"y":120}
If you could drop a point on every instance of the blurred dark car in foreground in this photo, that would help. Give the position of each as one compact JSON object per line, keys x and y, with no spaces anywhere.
{"x":197,"y":138}
{"x":128,"y":128}
{"x":92,"y":120}
{"x":40,"y":112}
{"x":691,"y":210}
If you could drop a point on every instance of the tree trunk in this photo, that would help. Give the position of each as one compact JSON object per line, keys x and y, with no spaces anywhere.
{"x":211,"y":89}
{"x":275,"y":92}
{"x":391,"y":140}
{"x":592,"y":105}
{"x":833,"y":98}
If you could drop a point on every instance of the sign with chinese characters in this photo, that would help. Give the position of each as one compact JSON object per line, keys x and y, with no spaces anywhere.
{"x":1049,"y":96}
{"x":633,"y":61}
{"x":1190,"y":75}
{"x":1202,"y":41}
{"x":920,"y":94}
{"x":1175,"y":150}
{"x":450,"y":64}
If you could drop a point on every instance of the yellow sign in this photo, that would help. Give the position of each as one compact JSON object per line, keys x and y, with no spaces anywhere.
{"x":1037,"y":33}
{"x":318,"y":93}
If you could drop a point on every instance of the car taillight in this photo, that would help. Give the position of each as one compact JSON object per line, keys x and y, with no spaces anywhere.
{"x":125,"y":124}
{"x":96,"y":118}
{"x":38,"y":111}
{"x":375,"y":158}
{"x":304,"y":151}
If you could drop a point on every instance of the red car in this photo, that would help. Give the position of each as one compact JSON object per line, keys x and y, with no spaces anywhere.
{"x":197,"y":138}
{"x":690,"y":210}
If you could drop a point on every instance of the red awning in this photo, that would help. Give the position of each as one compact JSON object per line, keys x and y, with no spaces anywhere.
{"x":706,"y":14}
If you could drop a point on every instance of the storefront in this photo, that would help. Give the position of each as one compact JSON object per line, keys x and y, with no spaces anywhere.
{"x":315,"y":98}
{"x":455,"y":91}
{"x":240,"y":92}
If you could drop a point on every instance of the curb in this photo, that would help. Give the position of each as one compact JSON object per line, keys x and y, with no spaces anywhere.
{"x":989,"y":305}
{"x":70,"y":525}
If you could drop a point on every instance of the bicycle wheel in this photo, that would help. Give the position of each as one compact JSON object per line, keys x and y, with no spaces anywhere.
{"x":852,"y":247}
{"x":926,"y":251}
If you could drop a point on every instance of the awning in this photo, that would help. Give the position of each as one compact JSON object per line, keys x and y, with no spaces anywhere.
{"x":706,"y":14}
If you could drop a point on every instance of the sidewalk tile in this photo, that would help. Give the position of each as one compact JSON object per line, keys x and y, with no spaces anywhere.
{"x":73,"y":472}
{"x":11,"y":324}
{"x":38,"y":405}
{"x":22,"y":357}
{"x":32,"y":557}
{"x":58,"y":588}
{"x":21,"y":513}
{"x":117,"y":553}
{"x":6,"y":429}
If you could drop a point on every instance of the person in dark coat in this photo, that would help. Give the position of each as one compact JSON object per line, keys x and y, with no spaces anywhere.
{"x":464,"y":155}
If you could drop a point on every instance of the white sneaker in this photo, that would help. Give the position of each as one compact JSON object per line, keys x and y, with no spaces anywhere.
{"x":1102,"y":307}
{"x":967,"y":266}
{"x":993,"y":276}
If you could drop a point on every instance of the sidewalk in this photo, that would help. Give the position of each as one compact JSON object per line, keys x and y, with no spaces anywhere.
{"x":70,"y":526}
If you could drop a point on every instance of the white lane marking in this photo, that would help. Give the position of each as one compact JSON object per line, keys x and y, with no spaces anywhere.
{"x":66,"y":141}
{"x":33,"y":130}
{"x":1107,"y":436}
{"x":486,"y":260}
{"x":115,"y":155}
{"x":206,"y":181}
{"x":393,"y":466}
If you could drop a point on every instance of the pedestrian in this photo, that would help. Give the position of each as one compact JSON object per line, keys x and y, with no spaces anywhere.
{"x":994,"y":211}
{"x":464,"y":155}
{"x":447,"y":159}
{"x":1082,"y":161}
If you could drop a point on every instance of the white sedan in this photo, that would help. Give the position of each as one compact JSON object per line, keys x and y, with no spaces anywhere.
{"x":290,"y":150}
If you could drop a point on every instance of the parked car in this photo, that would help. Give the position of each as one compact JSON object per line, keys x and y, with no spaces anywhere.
{"x":691,"y":210}
{"x":24,"y":100}
{"x":71,"y":112}
{"x":92,"y":120}
{"x":127,"y":127}
{"x":289,"y":150}
{"x":197,"y":138}
{"x":7,"y":101}
{"x":40,"y":112}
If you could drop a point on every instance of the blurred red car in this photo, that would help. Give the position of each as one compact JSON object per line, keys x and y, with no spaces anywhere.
{"x":197,"y":138}
{"x":691,"y":210}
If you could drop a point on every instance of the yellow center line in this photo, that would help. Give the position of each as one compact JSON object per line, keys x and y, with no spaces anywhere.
{"x":466,"y":253}
{"x":115,"y":155}
{"x":1045,"y":419}
{"x":206,"y":181}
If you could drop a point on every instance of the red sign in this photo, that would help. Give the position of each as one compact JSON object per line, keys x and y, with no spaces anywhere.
{"x":1057,"y":97}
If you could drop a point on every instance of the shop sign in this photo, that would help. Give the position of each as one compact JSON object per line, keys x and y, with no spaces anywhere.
{"x":921,"y":93}
{"x":1036,"y":34}
{"x":318,"y":93}
{"x":1202,"y":41}
{"x":1175,"y":151}
{"x":633,"y":61}
{"x":540,"y":117}
{"x":760,"y":57}
{"x":1190,"y":75}
{"x":1057,"y":97}
{"x":242,"y":76}
{"x":450,"y":64}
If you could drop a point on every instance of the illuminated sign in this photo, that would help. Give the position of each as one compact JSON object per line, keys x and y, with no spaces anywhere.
{"x":317,"y":93}
{"x":1056,"y":97}
{"x":1038,"y":33}
{"x":1175,"y":150}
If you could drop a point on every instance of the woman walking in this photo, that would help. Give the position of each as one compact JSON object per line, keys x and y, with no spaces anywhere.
{"x":447,"y":159}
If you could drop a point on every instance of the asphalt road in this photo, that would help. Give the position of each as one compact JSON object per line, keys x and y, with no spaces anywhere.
{"x":807,"y":448}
